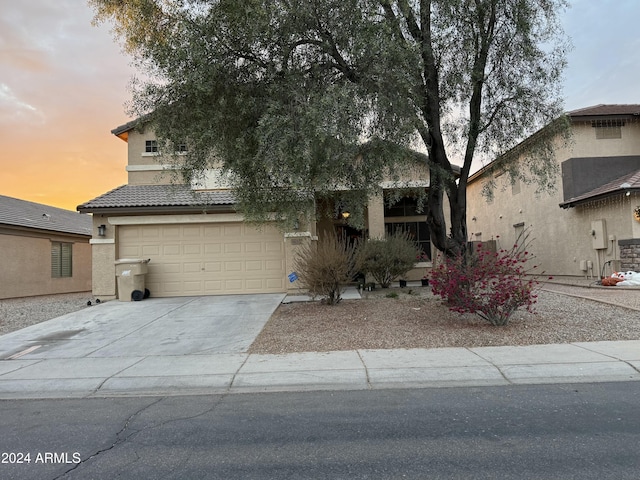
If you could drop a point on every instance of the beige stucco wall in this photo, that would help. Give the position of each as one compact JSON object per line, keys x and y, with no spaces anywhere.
{"x":25,"y":265}
{"x":562,"y":238}
{"x":375,"y":215}
{"x":144,"y":168}
{"x":103,"y":257}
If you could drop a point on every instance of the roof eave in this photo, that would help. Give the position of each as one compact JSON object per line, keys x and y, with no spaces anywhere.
{"x":45,"y":231}
{"x":156,"y":209}
{"x":122,"y":131}
{"x":581,"y":201}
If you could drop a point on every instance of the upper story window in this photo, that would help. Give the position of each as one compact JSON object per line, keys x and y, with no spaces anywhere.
{"x":608,"y":129}
{"x":181,"y":148}
{"x":150,"y":146}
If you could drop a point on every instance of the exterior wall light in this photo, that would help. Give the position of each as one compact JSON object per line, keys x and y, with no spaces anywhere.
{"x":102,"y":229}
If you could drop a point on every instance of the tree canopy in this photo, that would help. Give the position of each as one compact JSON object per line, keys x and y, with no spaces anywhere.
{"x":303,"y":98}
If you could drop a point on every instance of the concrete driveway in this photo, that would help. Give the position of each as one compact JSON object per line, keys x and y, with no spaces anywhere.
{"x":117,"y":344}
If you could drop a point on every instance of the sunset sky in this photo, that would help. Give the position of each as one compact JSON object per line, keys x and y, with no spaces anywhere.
{"x":64,"y":83}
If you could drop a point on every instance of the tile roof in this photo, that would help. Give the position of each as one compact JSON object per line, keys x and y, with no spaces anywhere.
{"x":606,"y":110}
{"x":22,"y":213}
{"x":132,"y":196}
{"x":126,"y":127}
{"x":630,"y":181}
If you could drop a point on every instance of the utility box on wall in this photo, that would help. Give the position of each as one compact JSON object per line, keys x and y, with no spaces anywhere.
{"x":598,"y":235}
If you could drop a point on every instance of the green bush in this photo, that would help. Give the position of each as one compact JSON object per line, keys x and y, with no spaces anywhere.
{"x":326,"y":266}
{"x":386,"y":259}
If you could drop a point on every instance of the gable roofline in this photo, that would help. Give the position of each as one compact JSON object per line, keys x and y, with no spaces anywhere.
{"x":600,"y":112}
{"x":24,"y":214}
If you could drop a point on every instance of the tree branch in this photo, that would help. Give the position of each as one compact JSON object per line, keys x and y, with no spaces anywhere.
{"x":410,"y":19}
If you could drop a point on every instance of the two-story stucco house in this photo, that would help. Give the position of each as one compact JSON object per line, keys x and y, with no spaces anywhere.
{"x":588,"y":225}
{"x":197,"y":243}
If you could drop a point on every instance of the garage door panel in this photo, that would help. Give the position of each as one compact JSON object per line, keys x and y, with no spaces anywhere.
{"x":131,"y":252}
{"x":231,"y":248}
{"x":213,"y":267}
{"x":170,"y":250}
{"x":171,"y":231}
{"x":129,"y":233}
{"x":234,"y":230}
{"x":253,"y":247}
{"x":272,"y":265}
{"x":170,"y":287}
{"x":201,"y":259}
{"x":193,"y":249}
{"x":274,"y":247}
{"x":212,"y":231}
{"x":192,"y":231}
{"x":254,"y":284}
{"x":213,"y":286}
{"x":149,"y":233}
{"x":212,"y":249}
{"x":150,"y":250}
{"x":167,"y":268}
{"x":253,"y":266}
{"x":192,"y":267}
{"x":233,"y":285}
{"x":192,"y":287}
{"x":273,"y":283}
{"x":232,"y":266}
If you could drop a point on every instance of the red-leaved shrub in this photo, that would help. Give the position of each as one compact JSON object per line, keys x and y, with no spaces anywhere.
{"x":492,"y":285}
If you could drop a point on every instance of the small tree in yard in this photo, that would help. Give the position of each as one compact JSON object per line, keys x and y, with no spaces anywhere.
{"x":386,"y":259}
{"x":326,"y":267}
{"x":491,"y":285}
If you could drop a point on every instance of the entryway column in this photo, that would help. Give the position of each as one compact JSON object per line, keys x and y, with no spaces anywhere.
{"x":293,"y":243}
{"x":375,"y":215}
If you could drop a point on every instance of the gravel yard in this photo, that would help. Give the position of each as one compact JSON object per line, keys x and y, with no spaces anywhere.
{"x":420,"y":320}
{"x":17,"y":313}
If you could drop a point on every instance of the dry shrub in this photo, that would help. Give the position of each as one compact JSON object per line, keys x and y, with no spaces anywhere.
{"x":326,"y":266}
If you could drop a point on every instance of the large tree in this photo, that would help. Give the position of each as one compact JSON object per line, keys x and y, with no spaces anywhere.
{"x":302,"y":98}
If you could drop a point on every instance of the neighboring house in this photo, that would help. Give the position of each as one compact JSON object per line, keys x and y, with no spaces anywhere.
{"x":43,"y":250}
{"x":588,"y":225}
{"x":196,"y":241}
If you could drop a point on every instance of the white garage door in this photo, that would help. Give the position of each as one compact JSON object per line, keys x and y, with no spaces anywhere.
{"x":207,"y":259}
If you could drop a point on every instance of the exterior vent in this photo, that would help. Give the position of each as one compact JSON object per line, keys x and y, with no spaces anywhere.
{"x":608,"y":129}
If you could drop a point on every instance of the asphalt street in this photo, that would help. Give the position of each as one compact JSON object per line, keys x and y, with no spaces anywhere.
{"x":570,"y":431}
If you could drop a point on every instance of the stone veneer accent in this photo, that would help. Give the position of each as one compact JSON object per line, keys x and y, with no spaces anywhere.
{"x":630,"y":254}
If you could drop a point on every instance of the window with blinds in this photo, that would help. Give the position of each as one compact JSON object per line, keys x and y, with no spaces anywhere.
{"x":61,"y":259}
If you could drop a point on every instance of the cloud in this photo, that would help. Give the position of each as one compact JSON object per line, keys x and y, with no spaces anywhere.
{"x":13,"y":110}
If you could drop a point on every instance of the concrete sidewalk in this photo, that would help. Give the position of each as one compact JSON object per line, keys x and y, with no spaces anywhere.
{"x":182,"y":346}
{"x":345,"y":370}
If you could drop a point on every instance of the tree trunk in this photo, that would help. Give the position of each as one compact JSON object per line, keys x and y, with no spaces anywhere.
{"x":452,"y":242}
